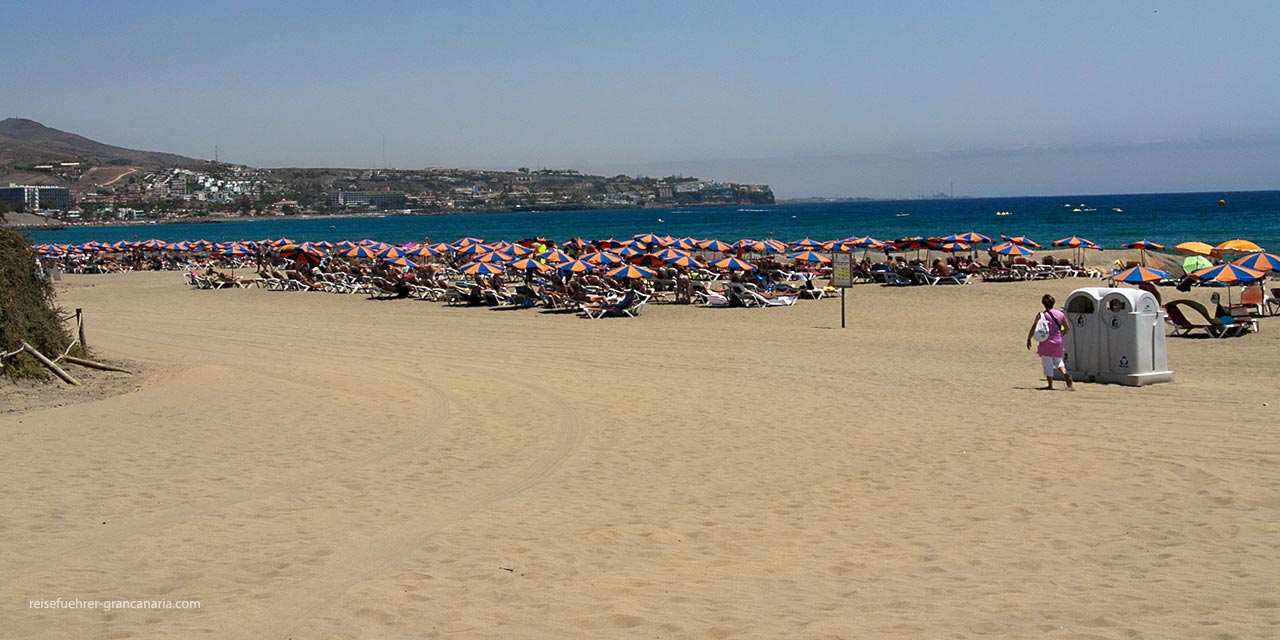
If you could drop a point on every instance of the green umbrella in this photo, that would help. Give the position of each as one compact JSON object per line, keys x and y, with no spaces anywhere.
{"x":1191,"y":263}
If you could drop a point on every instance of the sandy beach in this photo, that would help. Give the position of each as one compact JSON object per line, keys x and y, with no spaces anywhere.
{"x":311,"y":465}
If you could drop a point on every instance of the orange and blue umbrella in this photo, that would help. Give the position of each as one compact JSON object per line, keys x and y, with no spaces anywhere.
{"x":629,"y":271}
{"x":359,"y":251}
{"x":667,"y":253}
{"x":715,"y":245}
{"x":524,"y":264}
{"x":422,"y":251}
{"x":1137,"y":275}
{"x":1228,"y":274}
{"x":952,"y":246}
{"x":236,"y":251}
{"x":807,"y":244}
{"x":480,"y":268}
{"x":577,"y":266}
{"x":1074,"y":242}
{"x":400,"y":262}
{"x":732,"y":263}
{"x":686,"y":261}
{"x":1143,"y":246}
{"x":493,"y":256}
{"x":1259,"y":262}
{"x":809,"y":256}
{"x":1011,"y":249}
{"x":968,"y":237}
{"x":555,"y":256}
{"x":1021,"y":241}
{"x":604,"y":258}
{"x":648,"y":238}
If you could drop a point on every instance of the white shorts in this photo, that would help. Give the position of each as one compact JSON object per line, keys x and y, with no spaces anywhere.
{"x":1050,"y":364}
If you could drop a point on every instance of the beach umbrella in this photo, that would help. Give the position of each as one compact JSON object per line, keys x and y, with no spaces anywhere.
{"x":911,"y":242}
{"x":524,"y":264}
{"x":630,"y":251}
{"x":686,"y":244}
{"x":1235,"y":246}
{"x":667,"y":253}
{"x":686,"y":261}
{"x":809,"y":256}
{"x":715,"y":245}
{"x":604,"y":258}
{"x":236,"y":251}
{"x":747,"y":244}
{"x":359,"y":251}
{"x":1021,"y":241}
{"x":953,"y":246}
{"x":493,"y":256}
{"x":1260,"y":262}
{"x":1075,"y":242}
{"x":301,"y":253}
{"x":466,"y":242}
{"x":576,"y":266}
{"x":520,"y":251}
{"x":647,"y":260}
{"x":1228,"y":274}
{"x":807,"y":244}
{"x":422,"y":251}
{"x":400,"y":261}
{"x":629,"y":271}
{"x":1011,"y":249}
{"x":774,"y":246}
{"x":1194,"y":248}
{"x":1195,"y":263}
{"x":1136,"y":275}
{"x":554,"y":256}
{"x":968,"y":237}
{"x":480,"y":268}
{"x":733,"y":264}
{"x":647,"y":238}
{"x":1143,"y":246}
{"x":473,"y":249}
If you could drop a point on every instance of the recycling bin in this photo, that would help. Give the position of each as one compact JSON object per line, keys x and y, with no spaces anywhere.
{"x":1117,"y":336}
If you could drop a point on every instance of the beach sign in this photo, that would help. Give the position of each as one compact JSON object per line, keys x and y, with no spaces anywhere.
{"x":842,"y":270}
{"x":842,"y":276}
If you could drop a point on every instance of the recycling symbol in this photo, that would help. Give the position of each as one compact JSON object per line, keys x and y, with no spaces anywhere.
{"x":1124,"y":362}
{"x":1080,"y":321}
{"x":1115,"y":322}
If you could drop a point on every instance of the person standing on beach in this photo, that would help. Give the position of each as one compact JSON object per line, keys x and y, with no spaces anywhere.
{"x":1051,"y":350}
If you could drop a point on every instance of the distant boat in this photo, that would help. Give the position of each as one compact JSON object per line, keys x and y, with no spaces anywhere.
{"x":659,"y":219}
{"x":1004,"y":213}
{"x":901,"y":215}
{"x":1076,"y":210}
{"x":1117,"y":209}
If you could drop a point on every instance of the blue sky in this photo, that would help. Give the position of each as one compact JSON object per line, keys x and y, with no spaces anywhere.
{"x":881,"y":99}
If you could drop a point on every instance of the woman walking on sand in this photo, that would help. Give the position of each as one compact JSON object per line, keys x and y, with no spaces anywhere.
{"x":1050,"y":349}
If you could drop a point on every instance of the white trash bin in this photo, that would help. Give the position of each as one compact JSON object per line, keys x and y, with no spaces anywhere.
{"x":1121,"y":342}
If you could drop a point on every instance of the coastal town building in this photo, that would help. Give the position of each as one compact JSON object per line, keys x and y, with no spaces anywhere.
{"x":34,"y":198}
{"x":367,"y":199}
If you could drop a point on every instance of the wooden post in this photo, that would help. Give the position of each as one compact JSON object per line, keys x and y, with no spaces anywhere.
{"x":94,"y":365}
{"x":84,"y":346}
{"x":66,"y":377}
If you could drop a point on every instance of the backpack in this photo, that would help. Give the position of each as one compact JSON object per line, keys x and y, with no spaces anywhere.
{"x":1042,"y":328}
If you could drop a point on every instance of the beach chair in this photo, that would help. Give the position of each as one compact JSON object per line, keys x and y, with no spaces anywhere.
{"x":956,"y":278}
{"x":779,"y":301}
{"x":1188,"y":316}
{"x":1273,"y":302}
{"x":892,"y":279}
{"x":925,"y":276}
{"x":712,"y":298}
{"x":1254,"y":297}
{"x":624,"y":306}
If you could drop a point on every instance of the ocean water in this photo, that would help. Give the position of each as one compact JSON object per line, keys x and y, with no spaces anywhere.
{"x":1109,"y":220}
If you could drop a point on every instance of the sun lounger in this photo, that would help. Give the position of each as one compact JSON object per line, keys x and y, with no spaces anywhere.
{"x":1188,"y":316}
{"x":629,"y":306}
{"x":778,"y":301}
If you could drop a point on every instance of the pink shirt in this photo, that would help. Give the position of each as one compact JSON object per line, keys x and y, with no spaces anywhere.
{"x":1053,"y":346}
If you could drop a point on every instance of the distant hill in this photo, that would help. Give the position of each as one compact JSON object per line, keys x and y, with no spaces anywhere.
{"x":27,"y":142}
